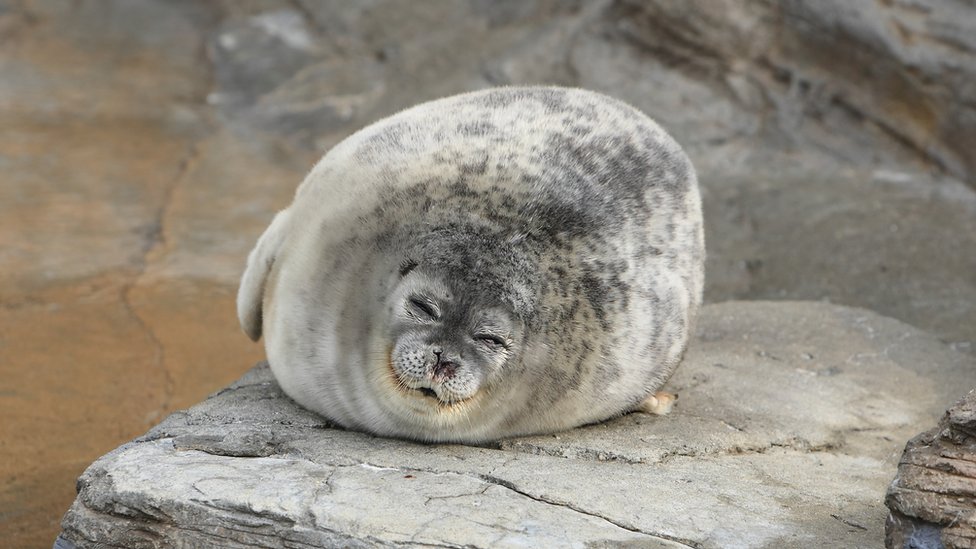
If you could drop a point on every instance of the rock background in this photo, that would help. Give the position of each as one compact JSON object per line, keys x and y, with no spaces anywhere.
{"x":144,"y":145}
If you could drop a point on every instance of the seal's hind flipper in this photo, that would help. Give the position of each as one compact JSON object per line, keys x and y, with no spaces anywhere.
{"x":250,"y":296}
{"x":659,"y":404}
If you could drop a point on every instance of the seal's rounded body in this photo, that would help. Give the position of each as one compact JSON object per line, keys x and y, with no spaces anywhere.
{"x":498,"y":263}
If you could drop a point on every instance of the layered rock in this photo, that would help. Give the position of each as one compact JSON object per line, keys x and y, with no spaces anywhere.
{"x":933,"y":497}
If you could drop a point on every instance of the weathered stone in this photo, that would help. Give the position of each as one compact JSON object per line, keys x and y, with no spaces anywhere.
{"x":933,"y":497}
{"x":784,"y":436}
{"x":254,"y":55}
{"x":322,"y":99}
{"x":908,"y":67}
{"x":896,"y":243}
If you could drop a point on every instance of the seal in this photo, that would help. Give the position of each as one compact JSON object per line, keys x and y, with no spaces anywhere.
{"x":505,"y":262}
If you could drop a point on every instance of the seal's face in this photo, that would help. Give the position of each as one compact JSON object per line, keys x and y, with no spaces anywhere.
{"x":446,"y":347}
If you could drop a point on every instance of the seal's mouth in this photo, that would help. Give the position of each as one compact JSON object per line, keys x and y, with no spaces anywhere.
{"x":425,"y":393}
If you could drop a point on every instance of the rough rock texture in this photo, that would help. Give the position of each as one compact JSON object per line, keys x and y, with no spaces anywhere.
{"x":864,"y":81}
{"x":906,"y":67}
{"x":785,"y":435}
{"x":933,"y":496}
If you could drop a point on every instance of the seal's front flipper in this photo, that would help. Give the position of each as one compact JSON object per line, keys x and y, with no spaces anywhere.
{"x":659,"y":404}
{"x":250,"y":295}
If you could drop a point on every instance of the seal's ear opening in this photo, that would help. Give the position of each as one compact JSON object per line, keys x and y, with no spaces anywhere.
{"x":250,"y":295}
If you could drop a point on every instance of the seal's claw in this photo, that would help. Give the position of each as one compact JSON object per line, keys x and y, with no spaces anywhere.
{"x":659,"y":404}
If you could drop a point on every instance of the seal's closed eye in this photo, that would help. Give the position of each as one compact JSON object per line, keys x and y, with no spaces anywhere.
{"x":425,"y":307}
{"x":491,"y":341}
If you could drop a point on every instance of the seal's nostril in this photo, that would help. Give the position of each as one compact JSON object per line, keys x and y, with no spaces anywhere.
{"x":444,"y":371}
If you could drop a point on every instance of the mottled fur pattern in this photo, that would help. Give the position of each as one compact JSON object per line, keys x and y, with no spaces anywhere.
{"x":571,"y":214}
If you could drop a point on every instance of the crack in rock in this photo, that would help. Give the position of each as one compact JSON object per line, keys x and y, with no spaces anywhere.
{"x":155,"y":238}
{"x":593,"y":454}
{"x":493,"y":480}
{"x":571,"y":452}
{"x":511,"y":486}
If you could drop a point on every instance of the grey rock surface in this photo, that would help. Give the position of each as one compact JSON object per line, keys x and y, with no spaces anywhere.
{"x":905,"y":69}
{"x":887,"y":241}
{"x":788,"y":428}
{"x":744,"y":73}
{"x":863,"y":82}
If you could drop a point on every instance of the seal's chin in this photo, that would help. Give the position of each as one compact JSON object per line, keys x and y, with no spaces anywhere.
{"x":431,"y":395}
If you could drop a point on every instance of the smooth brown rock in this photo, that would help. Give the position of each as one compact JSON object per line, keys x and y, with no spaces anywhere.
{"x":103,"y":330}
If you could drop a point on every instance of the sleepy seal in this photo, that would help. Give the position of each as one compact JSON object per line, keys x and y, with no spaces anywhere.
{"x":498,"y":263}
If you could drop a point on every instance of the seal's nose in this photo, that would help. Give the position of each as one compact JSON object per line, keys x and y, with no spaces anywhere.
{"x":443,"y":369}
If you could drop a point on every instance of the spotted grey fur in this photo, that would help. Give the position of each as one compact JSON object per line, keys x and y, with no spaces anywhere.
{"x":570,"y":210}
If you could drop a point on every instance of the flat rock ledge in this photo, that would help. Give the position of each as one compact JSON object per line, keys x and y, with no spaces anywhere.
{"x":790,"y":422}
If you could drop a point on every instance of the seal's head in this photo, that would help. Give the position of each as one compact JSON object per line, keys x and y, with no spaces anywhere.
{"x":456,"y":325}
{"x":444,"y":345}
